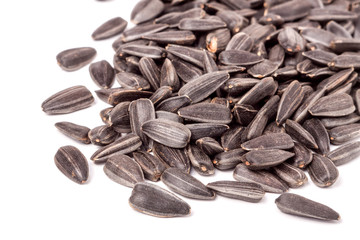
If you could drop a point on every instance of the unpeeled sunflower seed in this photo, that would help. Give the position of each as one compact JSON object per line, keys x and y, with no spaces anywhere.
{"x":110,"y":28}
{"x":322,"y":171}
{"x":269,"y":141}
{"x":75,"y":58}
{"x":207,"y":113}
{"x":74,"y":131}
{"x":102,"y":135}
{"x":262,"y":159}
{"x":200,"y":161}
{"x":151,"y":166}
{"x":344,"y":153}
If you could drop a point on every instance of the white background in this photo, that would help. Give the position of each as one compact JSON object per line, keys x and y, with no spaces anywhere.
{"x":38,"y":202}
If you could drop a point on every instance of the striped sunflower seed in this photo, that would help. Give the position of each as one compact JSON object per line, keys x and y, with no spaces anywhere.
{"x":74,"y":131}
{"x":322,"y":171}
{"x":269,"y":141}
{"x":209,"y":146}
{"x":315,"y":127}
{"x":297,"y":132}
{"x":119,"y":118}
{"x":345,"y":133}
{"x":294,"y":177}
{"x":102,"y":73}
{"x":335,"y":105}
{"x":207,"y":113}
{"x":151,"y":166}
{"x":132,"y":81}
{"x":228,"y":160}
{"x":110,"y":28}
{"x":146,"y":10}
{"x":262,"y":159}
{"x":173,"y":104}
{"x":344,"y":153}
{"x":75,"y":58}
{"x":200,"y":161}
{"x":102,"y":135}
{"x":200,"y":130}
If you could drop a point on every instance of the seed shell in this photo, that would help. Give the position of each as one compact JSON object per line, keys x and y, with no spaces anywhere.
{"x":331,"y":122}
{"x":315,"y":127}
{"x":173,"y":104}
{"x":322,"y":171}
{"x":228,"y":160}
{"x":139,"y":31}
{"x":209,"y":146}
{"x":150,"y":71}
{"x":262,"y":159}
{"x":200,"y":130}
{"x":294,"y":177}
{"x":151,"y":166}
{"x":110,"y":28}
{"x":102,"y":74}
{"x":232,"y":138}
{"x":146,"y":10}
{"x":75,"y":58}
{"x":132,"y":81}
{"x":297,"y":132}
{"x":335,"y":105}
{"x":102,"y":135}
{"x":124,"y":95}
{"x":119,"y":118}
{"x":239,"y":58}
{"x":269,"y":141}
{"x":160,"y":95}
{"x":345,"y":133}
{"x":207,"y":113}
{"x":200,"y":24}
{"x":262,"y":89}
{"x":172,"y":37}
{"x":74,"y":131}
{"x":200,"y":161}
{"x":344,"y":153}
{"x":168,"y":76}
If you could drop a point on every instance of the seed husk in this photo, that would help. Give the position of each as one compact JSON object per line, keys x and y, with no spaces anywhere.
{"x":123,"y":170}
{"x":293,"y":176}
{"x":110,"y":28}
{"x":168,"y":76}
{"x":132,"y":81}
{"x":124,"y":95}
{"x":200,"y":88}
{"x":173,"y":18}
{"x":151,"y":166}
{"x":294,"y":204}
{"x":172,"y":37}
{"x":146,"y":10}
{"x":119,"y":118}
{"x":345,"y":133}
{"x":123,"y":145}
{"x":259,"y":32}
{"x":189,"y":54}
{"x":74,"y":131}
{"x":324,"y":15}
{"x":102,"y":135}
{"x":343,"y":44}
{"x":232,"y":138}
{"x":240,"y":41}
{"x":291,"y":10}
{"x":262,"y":159}
{"x":217,"y":40}
{"x":345,"y":61}
{"x":228,"y":160}
{"x":319,"y":56}
{"x":291,"y":41}
{"x":174,"y":157}
{"x":269,"y":141}
{"x":155,"y":201}
{"x":102,"y":74}
{"x":303,"y":156}
{"x":75,"y":58}
{"x":302,"y":112}
{"x":161,"y":94}
{"x":263,"y":69}
{"x":239,"y":58}
{"x":173,"y":104}
{"x":186,"y":185}
{"x":331,"y":122}
{"x":105,"y":115}
{"x":268,"y":181}
{"x":68,"y":100}
{"x":200,"y":25}
{"x":234,"y":21}
{"x":344,"y":153}
{"x":273,"y":128}
{"x":236,"y":86}
{"x":169,"y":116}
{"x":150,"y":71}
{"x":152,"y":52}
{"x":266,"y":87}
{"x":209,"y":63}
{"x":297,"y":132}
{"x":186,"y":71}
{"x":335,"y":80}
{"x":72,"y":163}
{"x":315,"y":127}
{"x":138,"y":32}
{"x":316,"y":35}
{"x":245,"y":191}
{"x":244,"y":113}
{"x":209,"y":146}
{"x":335,"y":105}
{"x":322,"y":171}
{"x":200,"y":130}
{"x":200,"y":161}
{"x":207,"y":113}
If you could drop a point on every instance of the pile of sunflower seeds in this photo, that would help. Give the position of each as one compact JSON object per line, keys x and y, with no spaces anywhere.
{"x":259,"y":86}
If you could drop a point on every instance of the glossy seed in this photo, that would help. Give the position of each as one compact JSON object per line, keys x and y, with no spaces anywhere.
{"x":124,"y":95}
{"x":269,"y":141}
{"x":68,"y":100}
{"x":186,"y":185}
{"x":294,"y":177}
{"x":105,"y":115}
{"x":123,"y":170}
{"x":315,"y":127}
{"x":217,"y":40}
{"x":240,"y":41}
{"x":72,"y":163}
{"x":146,"y":10}
{"x":110,"y":28}
{"x":324,"y":15}
{"x":268,"y":181}
{"x":316,"y":35}
{"x":189,"y":54}
{"x":200,"y":130}
{"x":228,"y":160}
{"x":297,"y":132}
{"x":236,"y":86}
{"x":262,"y":159}
{"x":132,"y":81}
{"x":303,"y":156}
{"x":207,"y":113}
{"x":153,"y":200}
{"x":263,"y":69}
{"x":172,"y":37}
{"x":119,"y":118}
{"x":150,"y":71}
{"x":173,"y":104}
{"x":123,"y":145}
{"x":335,"y":80}
{"x":200,"y":161}
{"x":266,"y":87}
{"x":234,"y":21}
{"x":169,"y":116}
{"x":331,"y":122}
{"x":345,"y":133}
{"x":74,"y":131}
{"x":232,"y":138}
{"x":102,"y":135}
{"x":345,"y":61}
{"x":335,"y":105}
{"x":75,"y":58}
{"x":239,"y":58}
{"x":294,"y":204}
{"x":246,"y":191}
{"x":151,"y":166}
{"x":168,"y":76}
{"x":174,"y":157}
{"x":102,"y":74}
{"x":345,"y":153}
{"x":209,"y":146}
{"x":322,"y":171}
{"x":291,"y":41}
{"x":169,"y":133}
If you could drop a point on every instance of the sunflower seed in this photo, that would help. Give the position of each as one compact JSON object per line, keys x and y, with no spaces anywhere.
{"x":262,"y":159}
{"x":146,"y":10}
{"x":124,"y":95}
{"x":173,"y":104}
{"x":319,"y":56}
{"x":234,"y":21}
{"x":345,"y":61}
{"x":74,"y":131}
{"x":303,"y":156}
{"x":293,"y":176}
{"x":291,"y":10}
{"x":200,"y":24}
{"x":322,"y":171}
{"x":259,"y":32}
{"x":188,"y":54}
{"x":332,"y":122}
{"x":294,"y":204}
{"x":200,"y":130}
{"x":144,"y":51}
{"x":153,"y":200}
{"x":244,"y":113}
{"x":235,"y":86}
{"x":344,"y":153}
{"x":345,"y":133}
{"x":269,"y":141}
{"x":132,"y":81}
{"x":246,"y":191}
{"x":142,"y":30}
{"x":209,"y":63}
{"x":335,"y":105}
{"x":343,"y":45}
{"x":232,"y":138}
{"x":110,"y":28}
{"x":72,"y":163}
{"x":209,"y":146}
{"x":186,"y":185}
{"x":240,"y":41}
{"x":169,"y":116}
{"x":151,"y":166}
{"x":335,"y":80}
{"x":324,"y":15}
{"x":105,"y":115}
{"x":273,"y":128}
{"x":68,"y":100}
{"x":291,"y":41}
{"x":119,"y":118}
{"x":316,"y":35}
{"x":150,"y":71}
{"x":174,"y":18}
{"x":207,"y":113}
{"x":102,"y":74}
{"x":186,"y":71}
{"x":228,"y":160}
{"x":217,"y":40}
{"x":172,"y":37}
{"x":102,"y":135}
{"x":263,"y":69}
{"x":266,"y":87}
{"x":200,"y":161}
{"x":302,"y":112}
{"x":297,"y":132}
{"x":239,"y":57}
{"x":75,"y":58}
{"x":268,"y":181}
{"x":315,"y":127}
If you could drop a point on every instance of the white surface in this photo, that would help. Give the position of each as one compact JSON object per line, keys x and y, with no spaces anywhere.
{"x":38,"y":202}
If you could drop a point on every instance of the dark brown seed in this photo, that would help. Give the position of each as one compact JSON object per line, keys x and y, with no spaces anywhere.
{"x":239,"y":57}
{"x":228,"y":160}
{"x":209,"y":63}
{"x":297,"y":205}
{"x":335,"y":105}
{"x":244,"y":113}
{"x":315,"y":127}
{"x":102,"y":135}
{"x":74,"y":131}
{"x":332,"y":122}
{"x":246,"y":191}
{"x":200,"y":88}
{"x":105,"y":115}
{"x":345,"y":61}
{"x":234,"y":21}
{"x":240,"y":41}
{"x":72,"y":163}
{"x":119,"y":118}
{"x":172,"y":37}
{"x":271,"y":19}
{"x":160,"y":94}
{"x":110,"y":28}
{"x":124,"y":95}
{"x":200,"y":24}
{"x":266,"y":87}
{"x":209,"y":146}
{"x":200,"y":161}
{"x":291,"y":41}
{"x":291,"y":10}
{"x":338,"y":30}
{"x":132,"y":81}
{"x":189,"y":54}
{"x":75,"y":58}
{"x":146,"y":10}
{"x":289,"y":102}
{"x":217,"y":40}
{"x":174,"y":157}
{"x":262,"y":159}
{"x":169,"y":133}
{"x":123,"y":170}
{"x":173,"y":104}
{"x":120,"y":64}
{"x":138,"y":32}
{"x":335,"y":80}
{"x":207,"y":113}
{"x":153,"y":200}
{"x":269,"y":141}
{"x":144,"y":51}
{"x":345,"y":133}
{"x":316,"y":35}
{"x":324,"y":15}
{"x":235,"y":86}
{"x":232,"y":138}
{"x":319,"y":56}
{"x":186,"y":185}
{"x":294,"y":177}
{"x":297,"y":132}
{"x":343,"y":45}
{"x":200,"y":130}
{"x":151,"y":166}
{"x":259,"y":32}
{"x":273,"y":128}
{"x":263,"y":69}
{"x":186,"y":71}
{"x":174,"y":18}
{"x":123,"y":145}
{"x":285,"y":73}
{"x":322,"y":171}
{"x":302,"y":112}
{"x":268,"y":181}
{"x":68,"y":100}
{"x":344,"y":153}
{"x":150,"y":71}
{"x":102,"y":74}
{"x":169,"y":116}
{"x":168,"y":76}
{"x":303,"y":156}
